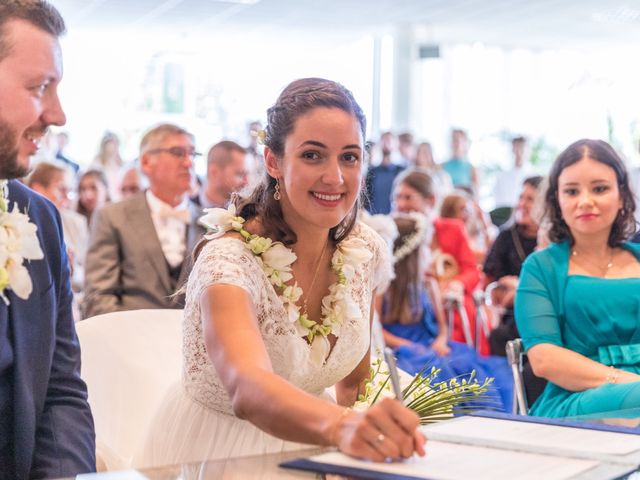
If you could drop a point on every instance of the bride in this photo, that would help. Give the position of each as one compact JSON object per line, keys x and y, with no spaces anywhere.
{"x":279,"y":302}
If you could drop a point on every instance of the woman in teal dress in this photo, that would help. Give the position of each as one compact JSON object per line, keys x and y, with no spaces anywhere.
{"x":578,"y":301}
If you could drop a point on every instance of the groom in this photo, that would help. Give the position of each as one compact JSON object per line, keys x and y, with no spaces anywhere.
{"x":46,"y":428}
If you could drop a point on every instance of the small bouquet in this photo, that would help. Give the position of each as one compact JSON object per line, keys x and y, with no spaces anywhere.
{"x":432,"y":399}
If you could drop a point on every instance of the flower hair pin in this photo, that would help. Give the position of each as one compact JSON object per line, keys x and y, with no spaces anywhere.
{"x":414,"y":240}
{"x":261,"y":136}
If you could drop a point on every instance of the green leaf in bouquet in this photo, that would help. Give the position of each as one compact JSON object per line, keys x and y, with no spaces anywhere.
{"x":433,"y":399}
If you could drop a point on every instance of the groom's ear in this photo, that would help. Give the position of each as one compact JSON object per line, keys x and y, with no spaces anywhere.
{"x":272,"y":164}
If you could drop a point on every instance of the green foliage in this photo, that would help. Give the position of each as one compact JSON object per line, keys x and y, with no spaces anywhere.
{"x":431,"y":398}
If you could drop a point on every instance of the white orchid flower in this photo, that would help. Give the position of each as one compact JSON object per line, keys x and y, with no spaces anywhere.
{"x":258,"y":245}
{"x":19,"y":280}
{"x":279,"y":258}
{"x":290,"y":295}
{"x":219,"y":221}
{"x":355,"y":251}
{"x":21,"y":235}
{"x":320,"y":348}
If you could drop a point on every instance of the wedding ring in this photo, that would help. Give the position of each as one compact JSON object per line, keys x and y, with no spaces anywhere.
{"x":380,"y":438}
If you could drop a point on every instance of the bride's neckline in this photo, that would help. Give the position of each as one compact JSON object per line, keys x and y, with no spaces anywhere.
{"x":338,"y":306}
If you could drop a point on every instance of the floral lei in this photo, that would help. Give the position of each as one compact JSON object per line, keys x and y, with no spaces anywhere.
{"x":18,"y":242}
{"x":276,"y":260}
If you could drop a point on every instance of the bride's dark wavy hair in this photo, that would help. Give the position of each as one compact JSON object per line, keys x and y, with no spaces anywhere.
{"x":298,"y":98}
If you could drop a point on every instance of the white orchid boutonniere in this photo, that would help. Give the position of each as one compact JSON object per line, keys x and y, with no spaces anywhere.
{"x":18,"y":242}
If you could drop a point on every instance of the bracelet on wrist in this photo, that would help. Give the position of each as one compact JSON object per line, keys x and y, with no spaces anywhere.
{"x":332,"y":438}
{"x":612,"y":376}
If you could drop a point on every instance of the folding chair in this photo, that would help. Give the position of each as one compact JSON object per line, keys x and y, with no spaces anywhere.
{"x":483,"y":324}
{"x":452,"y":304}
{"x":514,"y":357}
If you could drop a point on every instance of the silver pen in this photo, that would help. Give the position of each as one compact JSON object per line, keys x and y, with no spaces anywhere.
{"x":393,"y":373}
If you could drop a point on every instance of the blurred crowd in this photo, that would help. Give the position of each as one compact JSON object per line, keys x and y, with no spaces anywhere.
{"x":109,"y":204}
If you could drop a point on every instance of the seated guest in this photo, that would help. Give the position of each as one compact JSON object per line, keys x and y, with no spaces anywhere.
{"x":139,"y":248}
{"x":514,"y":243}
{"x":131,"y":183}
{"x":51,"y":181}
{"x":578,"y":301}
{"x":441,"y":179}
{"x":269,"y":328}
{"x":452,"y":261}
{"x":412,"y":325}
{"x":61,"y":156}
{"x":227,"y":172}
{"x":460,"y":205}
{"x":93,"y":193}
{"x":109,"y":162}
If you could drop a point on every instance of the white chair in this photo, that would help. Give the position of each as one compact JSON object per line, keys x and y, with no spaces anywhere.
{"x":129,"y":360}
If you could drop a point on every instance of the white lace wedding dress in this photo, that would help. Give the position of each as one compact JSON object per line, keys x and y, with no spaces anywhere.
{"x":196,"y":421}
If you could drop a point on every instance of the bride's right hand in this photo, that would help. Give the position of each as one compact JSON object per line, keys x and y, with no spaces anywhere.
{"x":385,"y":431}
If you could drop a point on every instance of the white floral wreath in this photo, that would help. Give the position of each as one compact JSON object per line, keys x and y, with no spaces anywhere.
{"x":18,"y":242}
{"x":276,"y":260}
{"x":415,"y":239}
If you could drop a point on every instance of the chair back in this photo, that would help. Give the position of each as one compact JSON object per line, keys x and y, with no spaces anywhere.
{"x":129,"y":361}
{"x":514,"y":357}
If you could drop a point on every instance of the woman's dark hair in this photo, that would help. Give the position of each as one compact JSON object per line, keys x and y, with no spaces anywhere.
{"x":298,"y":98}
{"x":402,"y":299}
{"x":449,"y":207}
{"x":600,"y":151}
{"x":533,"y":181}
{"x":100,"y":177}
{"x":418,"y":179}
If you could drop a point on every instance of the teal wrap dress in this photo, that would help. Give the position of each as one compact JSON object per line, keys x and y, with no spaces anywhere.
{"x":596,"y":317}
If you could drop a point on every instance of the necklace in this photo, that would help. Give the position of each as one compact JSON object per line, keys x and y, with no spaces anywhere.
{"x":313,"y":279}
{"x":338,"y":307}
{"x":603,"y":269}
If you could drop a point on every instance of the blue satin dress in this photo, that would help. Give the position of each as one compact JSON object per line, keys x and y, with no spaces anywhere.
{"x":460,"y":361}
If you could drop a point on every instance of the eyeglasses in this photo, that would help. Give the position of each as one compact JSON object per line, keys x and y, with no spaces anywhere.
{"x":177,"y":152}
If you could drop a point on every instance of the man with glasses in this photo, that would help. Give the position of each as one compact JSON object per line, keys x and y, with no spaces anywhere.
{"x":140,"y":248}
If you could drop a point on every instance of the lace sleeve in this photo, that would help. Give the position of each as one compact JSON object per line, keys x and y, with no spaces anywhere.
{"x":381,"y":270}
{"x":225,"y":261}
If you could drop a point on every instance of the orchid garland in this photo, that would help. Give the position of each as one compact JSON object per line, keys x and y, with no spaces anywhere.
{"x":18,"y":242}
{"x":276,"y":260}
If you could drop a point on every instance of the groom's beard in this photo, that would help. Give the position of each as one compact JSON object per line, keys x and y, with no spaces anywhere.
{"x":9,"y":165}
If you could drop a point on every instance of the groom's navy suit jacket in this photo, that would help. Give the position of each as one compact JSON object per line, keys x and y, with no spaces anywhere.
{"x":53,"y":427}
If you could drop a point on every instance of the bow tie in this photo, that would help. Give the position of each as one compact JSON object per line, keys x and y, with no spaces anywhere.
{"x":182,"y":214}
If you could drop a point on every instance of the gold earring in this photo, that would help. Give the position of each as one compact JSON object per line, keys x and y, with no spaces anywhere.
{"x":276,"y":194}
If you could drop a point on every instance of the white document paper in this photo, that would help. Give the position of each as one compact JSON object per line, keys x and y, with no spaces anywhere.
{"x":541,"y":438}
{"x":449,"y":461}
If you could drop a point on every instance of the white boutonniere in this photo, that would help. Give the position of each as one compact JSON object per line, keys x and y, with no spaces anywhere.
{"x":18,"y":242}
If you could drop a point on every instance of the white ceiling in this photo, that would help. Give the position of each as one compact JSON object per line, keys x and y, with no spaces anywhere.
{"x":527,"y":23}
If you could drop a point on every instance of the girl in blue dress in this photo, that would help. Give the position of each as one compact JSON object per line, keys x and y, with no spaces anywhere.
{"x":412,"y":327}
{"x":578,"y":302}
